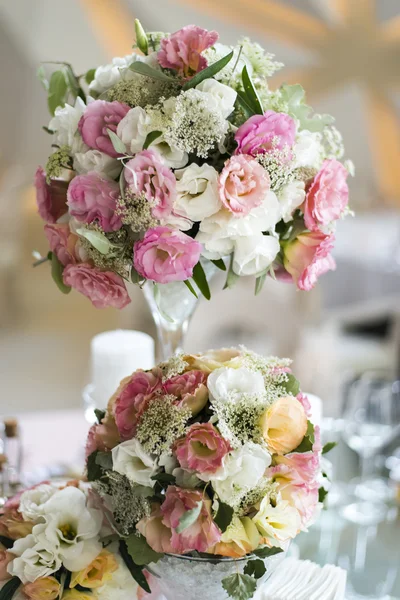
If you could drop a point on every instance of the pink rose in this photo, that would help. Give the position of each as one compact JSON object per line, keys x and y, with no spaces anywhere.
{"x":157,"y":535}
{"x":103,"y":436}
{"x":133,"y":399}
{"x":97,"y":118}
{"x":308,"y":257}
{"x":147,"y":174}
{"x":202,"y":449}
{"x":263,"y":133}
{"x":166,"y":255}
{"x":303,"y":496}
{"x":62,"y":242}
{"x":51,"y":198}
{"x":190,"y":389}
{"x":103,"y":288}
{"x":242,"y":184}
{"x":182,"y":50}
{"x":200,"y":536}
{"x":5,"y":559}
{"x":92,"y":198}
{"x":327,"y":196}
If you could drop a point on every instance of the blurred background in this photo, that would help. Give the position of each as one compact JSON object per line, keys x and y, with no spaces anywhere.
{"x":346,"y":53}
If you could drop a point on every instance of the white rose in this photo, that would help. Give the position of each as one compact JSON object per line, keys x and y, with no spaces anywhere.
{"x":277,"y":523}
{"x":87,"y":160}
{"x":241,"y":471}
{"x":224,"y":95}
{"x":197,"y":192}
{"x":308,"y":150}
{"x":32,"y":501}
{"x":130,"y":459}
{"x":133,"y":129}
{"x":226,"y":384}
{"x":65,"y":122}
{"x":34,"y":559}
{"x":291,"y":196}
{"x":107,"y":76}
{"x":254,"y":254}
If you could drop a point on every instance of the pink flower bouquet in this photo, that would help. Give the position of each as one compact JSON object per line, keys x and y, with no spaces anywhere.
{"x":179,"y":154}
{"x":211,"y":456}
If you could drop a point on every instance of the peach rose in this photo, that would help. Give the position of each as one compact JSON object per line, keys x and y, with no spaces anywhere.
{"x":284,"y":425}
{"x":45,"y":588}
{"x":239,"y":539}
{"x":96,"y":573}
{"x":214,"y":359}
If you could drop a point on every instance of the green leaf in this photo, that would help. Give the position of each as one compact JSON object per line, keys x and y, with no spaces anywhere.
{"x":201,"y":280}
{"x":72,"y":80}
{"x":89,"y":76}
{"x":255,"y":568}
{"x":9,"y":589}
{"x":7,"y":542}
{"x":58,"y":89}
{"x":189,"y":517}
{"x":141,"y":38}
{"x":232,"y":277}
{"x":292,"y":386}
{"x":308,"y":440}
{"x":224,"y":515}
{"x":322,"y":494}
{"x":135,"y":570}
{"x":94,"y":471}
{"x":118,"y":144}
{"x":328,"y":447}
{"x":190,"y":287}
{"x":41,"y":74}
{"x":136,"y":277}
{"x":143,"y":491}
{"x":140,"y":550}
{"x":219,"y":264}
{"x":208,"y":72}
{"x":104,"y":460}
{"x":260,"y":282}
{"x":47,"y":130}
{"x":266,"y":552}
{"x":100,"y":414}
{"x":57,"y":274}
{"x":96,"y":238}
{"x":242,"y":101}
{"x":164,"y":478}
{"x":251,"y":93}
{"x":153,"y":135}
{"x":145,"y":69}
{"x":157,"y":298}
{"x":240,"y":587}
{"x":294,"y":95}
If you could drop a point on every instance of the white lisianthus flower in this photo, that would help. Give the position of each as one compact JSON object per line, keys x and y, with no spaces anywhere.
{"x":226,"y":384}
{"x":254,"y":254}
{"x":197,"y":192}
{"x":107,"y":76}
{"x":130,"y":459}
{"x":173,"y":157}
{"x":133,"y":129}
{"x":71,"y":528}
{"x":225,"y":96}
{"x":65,"y":123}
{"x":277,"y":523}
{"x":241,"y":472}
{"x":308,"y":149}
{"x":291,"y":196}
{"x":87,"y":160}
{"x":34,"y":559}
{"x":32,"y":501}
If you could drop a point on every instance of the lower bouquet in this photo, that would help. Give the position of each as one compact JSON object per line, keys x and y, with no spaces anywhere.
{"x":205,"y":468}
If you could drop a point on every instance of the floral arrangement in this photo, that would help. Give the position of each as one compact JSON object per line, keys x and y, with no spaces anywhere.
{"x":51,"y":548}
{"x":209,"y":455}
{"x":182,"y":154}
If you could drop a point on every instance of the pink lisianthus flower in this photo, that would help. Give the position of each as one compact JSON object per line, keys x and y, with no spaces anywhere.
{"x":327,"y":196}
{"x":103,"y":288}
{"x":62,"y":242}
{"x":147,"y":174}
{"x":202,"y":534}
{"x":157,"y":535}
{"x":133,"y":398}
{"x":265,"y":133}
{"x":166,"y":255}
{"x":242,"y":184}
{"x":103,"y":436}
{"x":190,"y":389}
{"x":92,"y":198}
{"x":182,"y":51}
{"x":51,"y":198}
{"x":303,"y":496}
{"x":202,"y":449}
{"x":304,"y":401}
{"x":308,"y":257}
{"x":97,"y":118}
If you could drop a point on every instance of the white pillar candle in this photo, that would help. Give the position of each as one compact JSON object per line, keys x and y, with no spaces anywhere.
{"x":316,"y":409}
{"x":114,"y":355}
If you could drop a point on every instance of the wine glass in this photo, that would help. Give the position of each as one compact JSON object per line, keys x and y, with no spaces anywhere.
{"x":372,"y":421}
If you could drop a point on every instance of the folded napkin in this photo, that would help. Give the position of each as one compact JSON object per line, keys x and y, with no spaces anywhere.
{"x":304,"y":580}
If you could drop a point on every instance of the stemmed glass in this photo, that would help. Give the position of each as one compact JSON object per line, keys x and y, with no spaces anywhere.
{"x":372,"y":421}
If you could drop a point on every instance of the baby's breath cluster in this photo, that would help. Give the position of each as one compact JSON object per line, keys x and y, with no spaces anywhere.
{"x":238,"y":419}
{"x":278,"y":163}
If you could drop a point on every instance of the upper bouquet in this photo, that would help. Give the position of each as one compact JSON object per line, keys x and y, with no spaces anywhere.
{"x":212,"y":454}
{"x":182,"y":154}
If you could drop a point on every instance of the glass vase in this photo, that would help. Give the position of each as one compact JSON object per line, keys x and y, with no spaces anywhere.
{"x":172,"y":305}
{"x":177,"y":577}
